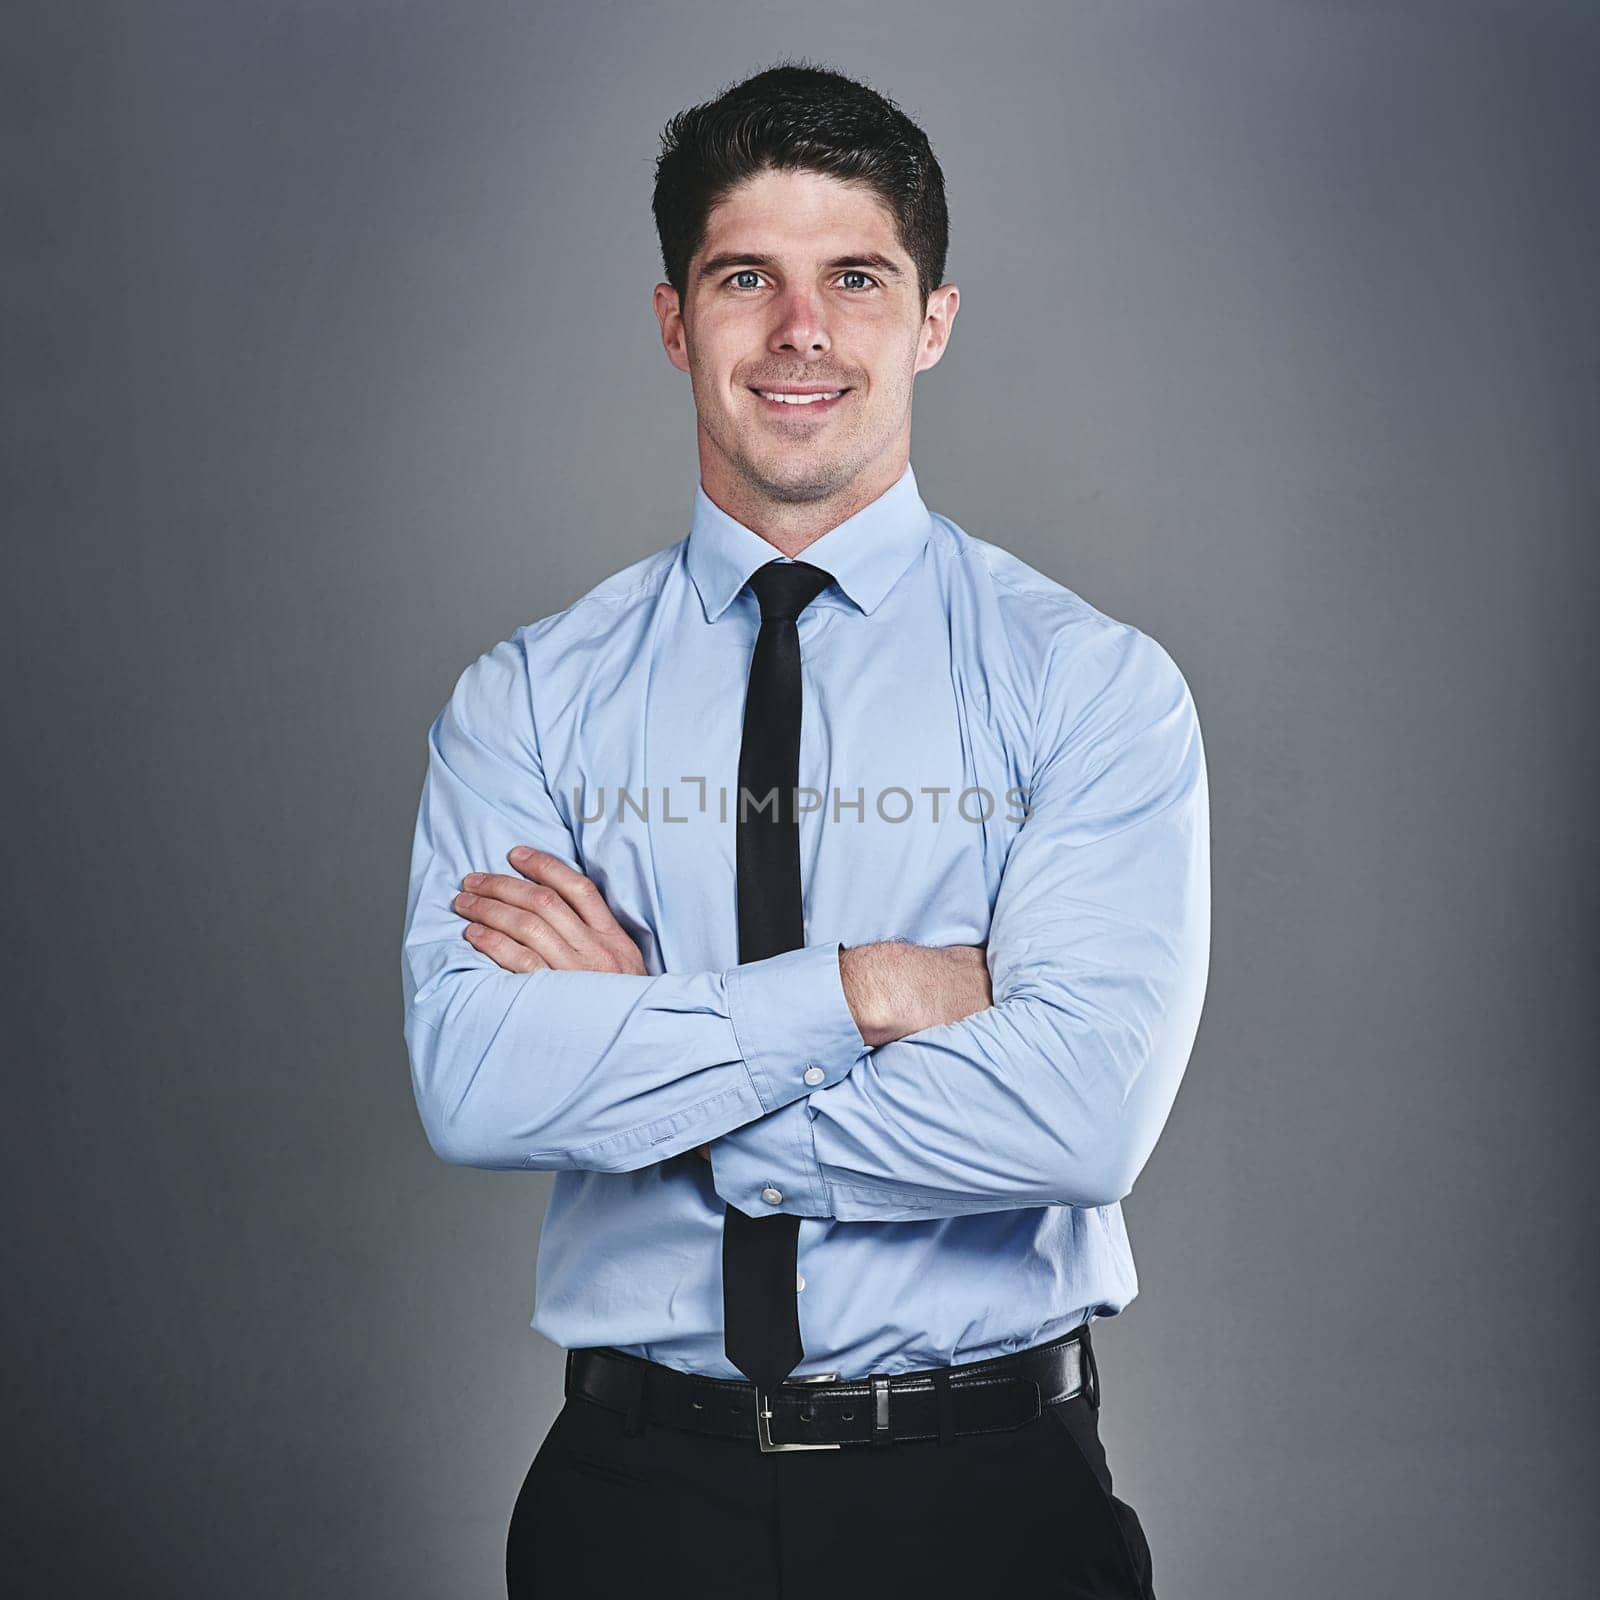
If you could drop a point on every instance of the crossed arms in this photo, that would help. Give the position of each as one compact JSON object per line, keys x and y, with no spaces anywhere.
{"x":542,"y":1042}
{"x":553,"y":917}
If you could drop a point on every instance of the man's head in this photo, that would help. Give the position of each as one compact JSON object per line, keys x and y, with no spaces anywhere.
{"x":803,"y":231}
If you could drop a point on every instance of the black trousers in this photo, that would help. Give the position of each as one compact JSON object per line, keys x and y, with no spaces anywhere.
{"x":608,"y":1515}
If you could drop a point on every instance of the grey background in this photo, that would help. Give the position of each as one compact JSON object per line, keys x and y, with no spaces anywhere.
{"x":329,"y":359}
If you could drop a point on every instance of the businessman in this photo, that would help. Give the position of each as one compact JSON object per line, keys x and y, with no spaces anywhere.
{"x":824,"y":899}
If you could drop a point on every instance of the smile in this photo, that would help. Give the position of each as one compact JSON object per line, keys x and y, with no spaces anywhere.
{"x":775,"y":400}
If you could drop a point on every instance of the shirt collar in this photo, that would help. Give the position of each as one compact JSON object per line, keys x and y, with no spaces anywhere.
{"x":866,"y":553}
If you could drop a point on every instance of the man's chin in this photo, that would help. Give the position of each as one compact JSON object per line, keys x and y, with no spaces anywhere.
{"x":798,"y":474}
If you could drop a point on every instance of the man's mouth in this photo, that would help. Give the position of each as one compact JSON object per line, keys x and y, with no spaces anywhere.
{"x":809,"y":400}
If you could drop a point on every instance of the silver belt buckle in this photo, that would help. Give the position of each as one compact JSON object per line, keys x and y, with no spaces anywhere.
{"x":764,"y":1417}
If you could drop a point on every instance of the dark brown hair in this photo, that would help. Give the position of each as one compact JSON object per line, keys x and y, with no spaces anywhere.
{"x":795,"y":116}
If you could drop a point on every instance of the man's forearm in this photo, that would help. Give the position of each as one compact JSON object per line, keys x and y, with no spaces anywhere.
{"x":895,"y":988}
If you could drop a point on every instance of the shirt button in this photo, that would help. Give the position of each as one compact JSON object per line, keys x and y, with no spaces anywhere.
{"x":815,"y":1074}
{"x":771,"y":1196}
{"x":799,"y":1283}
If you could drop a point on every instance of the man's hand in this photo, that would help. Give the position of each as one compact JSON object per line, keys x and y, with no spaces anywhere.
{"x":557,"y":918}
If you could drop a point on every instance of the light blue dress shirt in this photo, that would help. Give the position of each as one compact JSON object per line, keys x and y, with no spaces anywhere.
{"x":985,"y":758}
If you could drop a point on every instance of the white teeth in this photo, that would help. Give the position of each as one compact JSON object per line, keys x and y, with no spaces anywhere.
{"x":799,"y":399}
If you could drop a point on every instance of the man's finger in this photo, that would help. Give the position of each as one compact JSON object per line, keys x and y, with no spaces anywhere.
{"x":503,"y":950}
{"x":479,"y":900}
{"x":595,"y":930}
{"x":536,"y":915}
{"x":578,"y":891}
{"x":528,"y":925}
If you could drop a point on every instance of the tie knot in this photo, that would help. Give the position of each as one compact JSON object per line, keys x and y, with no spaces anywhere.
{"x":785,"y":588}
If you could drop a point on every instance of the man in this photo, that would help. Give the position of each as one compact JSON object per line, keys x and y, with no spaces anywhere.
{"x":824,"y":899}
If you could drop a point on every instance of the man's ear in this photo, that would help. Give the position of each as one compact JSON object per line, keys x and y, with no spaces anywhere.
{"x":935,"y":335}
{"x":674,"y":334}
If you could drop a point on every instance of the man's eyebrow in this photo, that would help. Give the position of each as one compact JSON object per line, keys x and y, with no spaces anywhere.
{"x":729,"y":259}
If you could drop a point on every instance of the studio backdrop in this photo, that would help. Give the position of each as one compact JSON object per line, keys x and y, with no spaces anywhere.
{"x":329,"y":360}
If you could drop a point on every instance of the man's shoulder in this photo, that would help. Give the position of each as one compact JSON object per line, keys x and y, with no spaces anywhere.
{"x":542,"y":648}
{"x":598,"y":609}
{"x":1033,"y":607}
{"x":1079,"y":657}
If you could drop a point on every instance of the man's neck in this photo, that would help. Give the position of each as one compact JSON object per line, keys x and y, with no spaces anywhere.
{"x":791,"y":527}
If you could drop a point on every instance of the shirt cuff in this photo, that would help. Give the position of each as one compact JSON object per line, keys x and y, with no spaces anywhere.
{"x":771,"y":1165}
{"x":795,"y":1029}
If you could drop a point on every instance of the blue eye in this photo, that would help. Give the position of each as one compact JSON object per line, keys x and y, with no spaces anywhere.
{"x":751,"y":272}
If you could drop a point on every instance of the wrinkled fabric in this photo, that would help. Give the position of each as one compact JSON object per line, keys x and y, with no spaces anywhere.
{"x":993,"y":760}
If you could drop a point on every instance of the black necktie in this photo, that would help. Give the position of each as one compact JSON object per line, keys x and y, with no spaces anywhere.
{"x":760,"y":1254}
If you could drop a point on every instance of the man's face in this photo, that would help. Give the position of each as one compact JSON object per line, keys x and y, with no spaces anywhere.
{"x":802,"y":284}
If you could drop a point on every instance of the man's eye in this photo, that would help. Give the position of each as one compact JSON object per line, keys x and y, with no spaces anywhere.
{"x":750,"y":272}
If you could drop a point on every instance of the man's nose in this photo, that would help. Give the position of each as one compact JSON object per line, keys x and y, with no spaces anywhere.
{"x":801,"y":324}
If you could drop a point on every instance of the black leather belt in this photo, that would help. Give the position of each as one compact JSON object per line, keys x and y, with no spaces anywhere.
{"x":827,"y":1412}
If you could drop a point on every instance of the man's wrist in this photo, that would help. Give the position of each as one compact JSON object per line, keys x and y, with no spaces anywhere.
{"x":792,"y":1022}
{"x":868,"y":973}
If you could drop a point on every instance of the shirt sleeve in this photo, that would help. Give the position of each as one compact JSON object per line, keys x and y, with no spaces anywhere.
{"x":559,"y":1069}
{"x":1098,"y":952}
